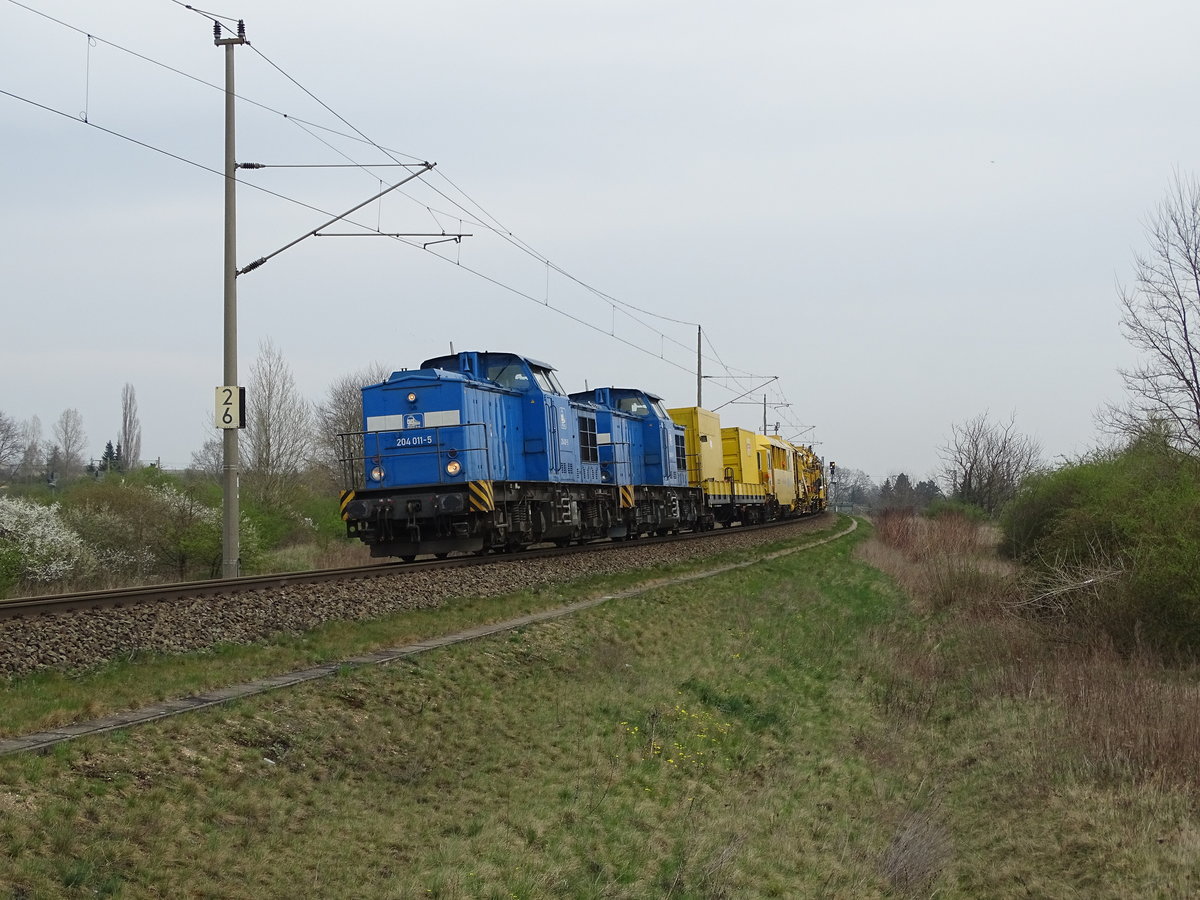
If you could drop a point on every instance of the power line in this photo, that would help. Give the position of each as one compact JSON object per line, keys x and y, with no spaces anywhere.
{"x":212,"y":17}
{"x":497,"y":229}
{"x":168,"y":153}
{"x":475,"y":272}
{"x":201,"y":81}
{"x":494,"y":226}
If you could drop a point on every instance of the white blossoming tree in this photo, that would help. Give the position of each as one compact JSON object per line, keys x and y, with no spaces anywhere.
{"x":37,"y":546}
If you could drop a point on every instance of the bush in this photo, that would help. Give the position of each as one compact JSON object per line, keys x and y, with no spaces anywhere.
{"x":37,"y":545}
{"x":947,"y":507}
{"x":153,"y":525}
{"x":1125,"y":528}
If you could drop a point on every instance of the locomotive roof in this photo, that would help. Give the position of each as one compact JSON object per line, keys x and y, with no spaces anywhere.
{"x":650,"y":394}
{"x":438,"y":362}
{"x":616,"y":391}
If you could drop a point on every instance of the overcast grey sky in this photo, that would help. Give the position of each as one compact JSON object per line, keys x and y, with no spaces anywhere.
{"x":911,"y":213}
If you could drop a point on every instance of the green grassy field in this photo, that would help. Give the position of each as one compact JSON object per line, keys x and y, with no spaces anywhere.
{"x":771,"y":732}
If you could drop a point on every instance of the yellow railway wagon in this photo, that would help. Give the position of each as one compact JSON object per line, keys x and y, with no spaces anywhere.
{"x":810,"y":480}
{"x":724,"y":495}
{"x":702,"y":441}
{"x":748,"y":494}
{"x":746,"y":476}
{"x":741,"y":460}
{"x":777,"y":462}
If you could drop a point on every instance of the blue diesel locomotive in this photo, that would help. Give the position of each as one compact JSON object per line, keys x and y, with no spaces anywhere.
{"x":485,"y":451}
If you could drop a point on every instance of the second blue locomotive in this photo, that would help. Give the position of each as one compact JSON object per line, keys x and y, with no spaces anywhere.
{"x":485,"y":451}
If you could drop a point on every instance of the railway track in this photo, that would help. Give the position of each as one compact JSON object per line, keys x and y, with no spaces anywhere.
{"x":118,"y":598}
{"x":41,"y":741}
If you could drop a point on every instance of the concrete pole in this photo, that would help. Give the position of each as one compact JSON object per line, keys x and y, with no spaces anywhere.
{"x":231,"y":507}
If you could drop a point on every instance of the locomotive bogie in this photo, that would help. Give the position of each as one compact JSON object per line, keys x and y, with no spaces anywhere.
{"x":517,"y":515}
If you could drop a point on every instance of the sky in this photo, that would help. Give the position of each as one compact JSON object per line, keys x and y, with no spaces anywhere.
{"x":910,"y":214}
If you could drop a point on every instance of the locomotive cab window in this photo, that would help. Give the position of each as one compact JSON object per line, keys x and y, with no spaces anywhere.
{"x":509,"y":375}
{"x":588,"y":448}
{"x":680,"y":452}
{"x":633,"y":406}
{"x":547,"y":382}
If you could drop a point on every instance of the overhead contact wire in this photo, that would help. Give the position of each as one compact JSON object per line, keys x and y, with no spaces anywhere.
{"x":495,"y":226}
{"x":500,"y":230}
{"x":215,"y":87}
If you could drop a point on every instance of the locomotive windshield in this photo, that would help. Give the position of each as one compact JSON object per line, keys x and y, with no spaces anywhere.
{"x":509,"y":375}
{"x":515,"y":376}
{"x":634,"y":406}
{"x":547,"y":382}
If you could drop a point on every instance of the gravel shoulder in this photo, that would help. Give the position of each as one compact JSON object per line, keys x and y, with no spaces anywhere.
{"x":76,"y":641}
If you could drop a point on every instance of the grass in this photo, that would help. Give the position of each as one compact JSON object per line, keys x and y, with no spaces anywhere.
{"x":786,"y":730}
{"x":1089,"y":755}
{"x":50,"y":699}
{"x":310,"y":556}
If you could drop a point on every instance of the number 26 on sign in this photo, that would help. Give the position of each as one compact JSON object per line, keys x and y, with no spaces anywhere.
{"x":231,"y":407}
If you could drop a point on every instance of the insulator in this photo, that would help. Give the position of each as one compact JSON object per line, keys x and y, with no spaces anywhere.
{"x":217,"y":32}
{"x":241,"y":30}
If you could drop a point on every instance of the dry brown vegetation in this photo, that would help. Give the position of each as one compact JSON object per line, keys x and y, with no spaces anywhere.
{"x":1108,"y":717}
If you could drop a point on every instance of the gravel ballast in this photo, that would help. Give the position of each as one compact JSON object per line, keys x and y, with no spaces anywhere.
{"x":79,"y":640}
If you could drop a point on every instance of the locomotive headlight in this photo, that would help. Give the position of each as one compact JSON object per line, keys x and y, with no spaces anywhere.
{"x":412,"y":398}
{"x":453,"y":467}
{"x":377,"y":473}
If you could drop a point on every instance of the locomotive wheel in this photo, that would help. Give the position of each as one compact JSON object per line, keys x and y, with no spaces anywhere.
{"x":441,"y":555}
{"x":408,"y":557}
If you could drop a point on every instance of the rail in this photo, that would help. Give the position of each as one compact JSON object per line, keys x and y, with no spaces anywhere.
{"x":165,"y":593}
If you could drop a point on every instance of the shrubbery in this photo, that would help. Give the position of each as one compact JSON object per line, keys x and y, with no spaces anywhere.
{"x":1116,"y":539}
{"x":129,"y":529}
{"x":148,"y":526}
{"x":37,"y":546}
{"x":945,"y":506}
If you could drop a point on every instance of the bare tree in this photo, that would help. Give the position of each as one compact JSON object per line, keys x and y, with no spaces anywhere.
{"x":1160,"y":316}
{"x":855,"y":487}
{"x":69,"y":433}
{"x":210,"y":458}
{"x":130,"y":439}
{"x":341,"y":413}
{"x":277,"y":435}
{"x":10,"y":445}
{"x":31,"y":449}
{"x":985,"y":462}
